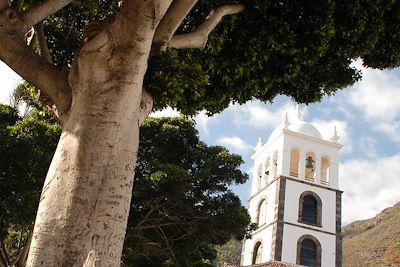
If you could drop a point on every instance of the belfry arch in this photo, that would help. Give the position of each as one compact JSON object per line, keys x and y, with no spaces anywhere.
{"x":310,"y":166}
{"x":294,"y":162}
{"x":325,"y":170}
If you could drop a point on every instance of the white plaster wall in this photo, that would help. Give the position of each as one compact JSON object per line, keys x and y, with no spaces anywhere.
{"x":328,"y":198}
{"x":268,"y":193}
{"x":319,"y":147}
{"x":291,"y":235}
{"x":265,"y":236}
{"x":283,"y":142}
{"x":267,"y":151}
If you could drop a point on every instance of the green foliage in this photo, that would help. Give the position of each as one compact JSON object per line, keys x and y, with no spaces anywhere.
{"x":25,"y":93}
{"x":181,"y":197}
{"x":300,"y":48}
{"x":230,"y":253}
{"x":182,"y":204}
{"x":26,"y":149}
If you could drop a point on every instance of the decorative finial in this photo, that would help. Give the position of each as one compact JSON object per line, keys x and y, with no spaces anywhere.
{"x":259,"y":144}
{"x":335,"y":136}
{"x":299,"y":116}
{"x":286,"y":122}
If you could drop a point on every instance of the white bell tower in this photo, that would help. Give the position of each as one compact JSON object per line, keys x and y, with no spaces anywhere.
{"x":295,"y":199}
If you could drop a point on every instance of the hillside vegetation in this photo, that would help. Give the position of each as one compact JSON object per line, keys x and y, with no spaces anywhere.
{"x":373,"y":242}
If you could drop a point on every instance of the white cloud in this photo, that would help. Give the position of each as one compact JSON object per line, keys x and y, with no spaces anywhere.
{"x":8,"y":81}
{"x":167,"y":112}
{"x":390,"y":128}
{"x":252,"y":115}
{"x":368,"y":147}
{"x":369,"y":186}
{"x":235,"y":144}
{"x":377,"y":96}
{"x":203,"y":121}
{"x":258,"y":116}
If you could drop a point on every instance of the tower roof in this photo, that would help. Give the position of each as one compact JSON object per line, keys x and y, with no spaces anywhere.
{"x":305,"y":128}
{"x":298,"y":126}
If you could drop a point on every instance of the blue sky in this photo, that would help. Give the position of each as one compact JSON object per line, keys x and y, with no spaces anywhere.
{"x":367,"y":117}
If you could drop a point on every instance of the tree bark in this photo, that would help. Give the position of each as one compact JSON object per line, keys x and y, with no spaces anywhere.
{"x":199,"y":37}
{"x":42,"y":11}
{"x":23,"y":60}
{"x":84,"y":206}
{"x":3,"y":4}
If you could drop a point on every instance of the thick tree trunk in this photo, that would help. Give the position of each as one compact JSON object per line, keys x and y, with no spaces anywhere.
{"x":85,"y":201}
{"x":84,"y":207}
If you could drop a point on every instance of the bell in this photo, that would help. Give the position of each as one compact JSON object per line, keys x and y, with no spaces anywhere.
{"x":309,"y":163}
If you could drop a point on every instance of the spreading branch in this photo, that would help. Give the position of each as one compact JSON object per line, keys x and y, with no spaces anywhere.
{"x":4,"y":253}
{"x":23,"y":60}
{"x":39,"y":12}
{"x":23,"y":255}
{"x":167,"y":27}
{"x":42,"y":43}
{"x":152,"y":226}
{"x":198,"y":38}
{"x":133,"y":14}
{"x":164,"y":236}
{"x":145,"y":218}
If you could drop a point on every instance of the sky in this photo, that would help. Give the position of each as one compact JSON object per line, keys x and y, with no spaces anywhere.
{"x":367,"y":118}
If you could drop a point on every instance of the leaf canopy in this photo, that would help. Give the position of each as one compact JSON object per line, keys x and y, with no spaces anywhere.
{"x":301,"y":48}
{"x":26,"y":149}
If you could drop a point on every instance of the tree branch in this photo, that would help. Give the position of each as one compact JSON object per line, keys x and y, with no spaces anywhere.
{"x":139,"y":18}
{"x":163,"y":235}
{"x":39,"y":12}
{"x":174,"y":16}
{"x":2,"y":262}
{"x":44,"y":52}
{"x":3,"y":4}
{"x":198,"y":38}
{"x":155,"y":225}
{"x":145,"y":217}
{"x":23,"y":255}
{"x":4,"y":253}
{"x":46,"y":77}
{"x":42,"y":43}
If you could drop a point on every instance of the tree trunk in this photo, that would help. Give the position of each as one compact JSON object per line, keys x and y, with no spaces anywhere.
{"x":85,"y":202}
{"x":84,"y":206}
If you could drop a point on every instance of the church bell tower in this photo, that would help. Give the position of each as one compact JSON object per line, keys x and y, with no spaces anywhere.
{"x":295,"y":199}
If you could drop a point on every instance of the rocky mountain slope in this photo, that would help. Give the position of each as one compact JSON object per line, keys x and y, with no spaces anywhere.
{"x":373,"y":242}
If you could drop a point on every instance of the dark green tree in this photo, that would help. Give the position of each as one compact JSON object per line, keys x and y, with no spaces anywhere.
{"x":230,"y":252}
{"x":103,"y":63}
{"x":182,"y":195}
{"x":26,"y":149}
{"x":182,"y":203}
